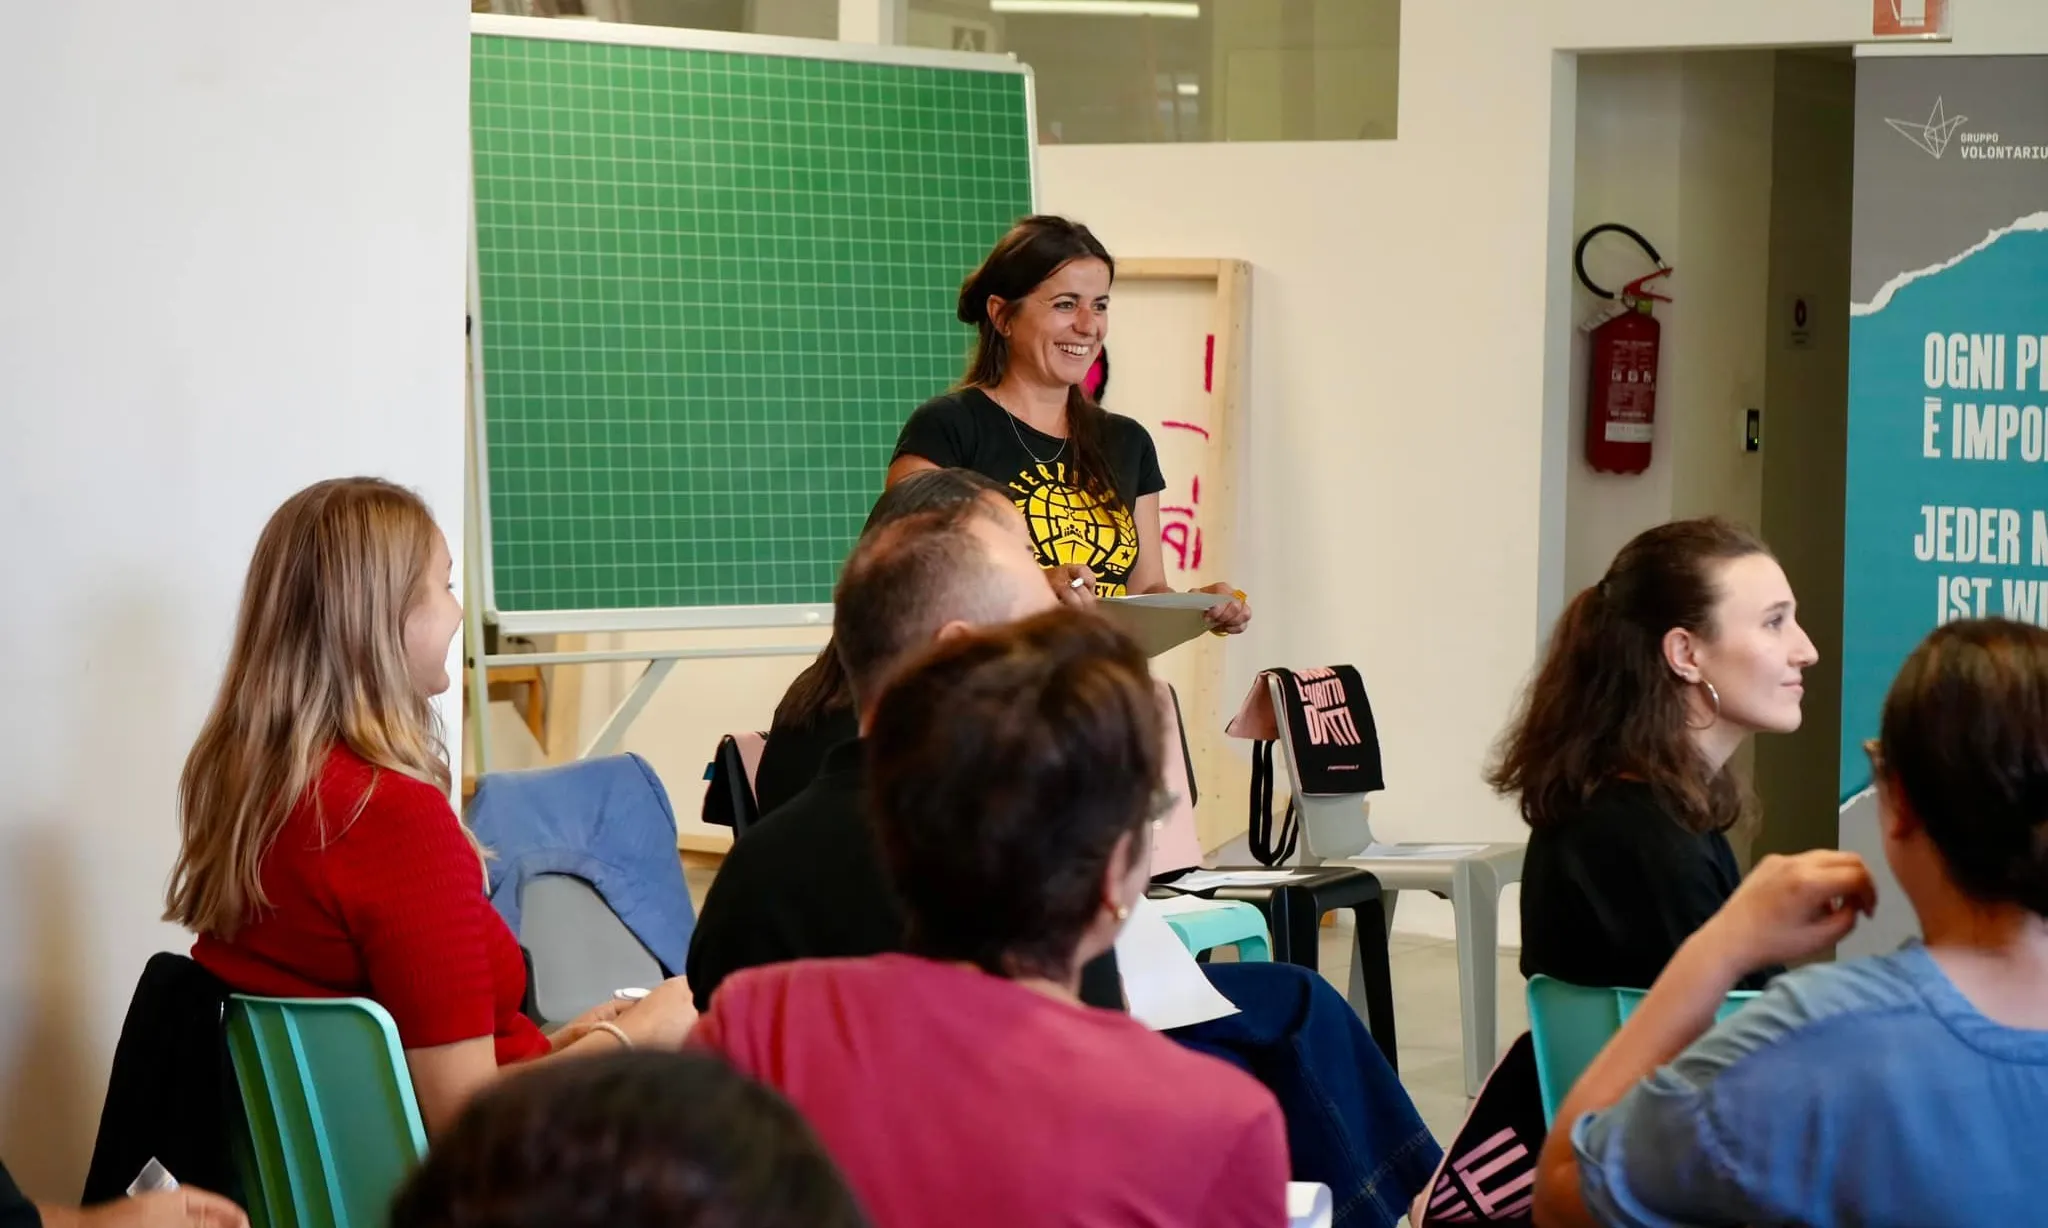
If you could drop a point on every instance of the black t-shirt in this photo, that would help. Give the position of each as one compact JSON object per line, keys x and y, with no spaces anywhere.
{"x":791,"y":757}
{"x":16,"y":1211}
{"x":968,"y":430}
{"x":1610,"y":893}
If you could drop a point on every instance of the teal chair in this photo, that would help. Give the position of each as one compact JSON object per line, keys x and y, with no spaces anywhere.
{"x":1229,"y":923}
{"x":332,"y":1125}
{"x":1569,"y":1025}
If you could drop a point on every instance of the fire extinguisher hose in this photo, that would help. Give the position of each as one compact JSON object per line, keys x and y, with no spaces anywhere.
{"x":1579,"y":253}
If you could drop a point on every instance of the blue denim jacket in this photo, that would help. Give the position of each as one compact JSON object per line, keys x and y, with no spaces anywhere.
{"x":605,"y":821}
{"x":1863,"y":1092}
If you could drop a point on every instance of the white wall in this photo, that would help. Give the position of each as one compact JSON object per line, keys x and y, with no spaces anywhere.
{"x":1716,"y":360}
{"x":232,"y":259}
{"x":1410,"y":352}
{"x":1411,"y":345}
{"x":1629,"y":123}
{"x":231,"y":263}
{"x":1807,"y":426}
{"x":1678,"y":146}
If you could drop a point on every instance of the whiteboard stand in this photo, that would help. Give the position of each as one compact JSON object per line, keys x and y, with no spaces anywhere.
{"x":660,"y":663}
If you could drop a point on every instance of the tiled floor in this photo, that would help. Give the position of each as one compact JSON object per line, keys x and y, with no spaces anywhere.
{"x":1425,"y":1010}
{"x":1426,"y":1016}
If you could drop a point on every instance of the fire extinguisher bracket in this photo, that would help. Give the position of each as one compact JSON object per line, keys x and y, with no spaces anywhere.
{"x":1638,"y":295}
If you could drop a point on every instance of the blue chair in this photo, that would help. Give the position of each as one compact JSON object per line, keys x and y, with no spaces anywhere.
{"x":1224,"y":923}
{"x":1569,"y":1025}
{"x":332,"y":1128}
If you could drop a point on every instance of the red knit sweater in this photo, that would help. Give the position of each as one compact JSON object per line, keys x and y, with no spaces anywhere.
{"x":389,"y":907}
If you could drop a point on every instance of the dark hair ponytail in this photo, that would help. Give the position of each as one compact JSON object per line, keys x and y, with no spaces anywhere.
{"x":1605,"y":704}
{"x":1033,"y":250}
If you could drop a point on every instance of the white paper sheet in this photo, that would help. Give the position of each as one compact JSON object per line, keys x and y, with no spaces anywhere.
{"x":1160,"y":622}
{"x":1203,"y":880}
{"x":1421,"y":851}
{"x":1162,"y":982}
{"x":1308,"y":1204}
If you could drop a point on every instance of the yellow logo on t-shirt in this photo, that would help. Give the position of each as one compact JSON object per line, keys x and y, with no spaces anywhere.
{"x":1072,"y":525}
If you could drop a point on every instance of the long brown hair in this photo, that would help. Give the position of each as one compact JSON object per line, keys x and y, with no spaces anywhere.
{"x":1035,"y":249}
{"x":1965,"y":746}
{"x":318,"y":660}
{"x":1605,"y":704}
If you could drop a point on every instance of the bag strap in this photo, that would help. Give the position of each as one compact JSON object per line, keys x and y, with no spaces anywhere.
{"x":1271,"y":848}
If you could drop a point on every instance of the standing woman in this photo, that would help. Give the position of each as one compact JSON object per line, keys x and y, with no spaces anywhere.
{"x":1653,"y":680}
{"x":1087,"y":480}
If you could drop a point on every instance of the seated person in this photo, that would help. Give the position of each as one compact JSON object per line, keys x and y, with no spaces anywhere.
{"x":319,"y":855}
{"x":627,"y":1140}
{"x":1013,"y":779}
{"x":1898,"y":1089}
{"x":1654,"y":678}
{"x":816,"y":712}
{"x":809,"y":881}
{"x":179,"y":1208}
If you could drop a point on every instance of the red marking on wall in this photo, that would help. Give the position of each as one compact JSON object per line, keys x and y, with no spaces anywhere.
{"x":1203,"y":431}
{"x":1182,"y":536}
{"x":1209,"y":364}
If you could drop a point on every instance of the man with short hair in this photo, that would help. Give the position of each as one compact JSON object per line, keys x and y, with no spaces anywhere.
{"x":807,"y":881}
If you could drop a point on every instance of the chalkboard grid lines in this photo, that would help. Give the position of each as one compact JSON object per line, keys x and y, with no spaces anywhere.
{"x":712,"y":286}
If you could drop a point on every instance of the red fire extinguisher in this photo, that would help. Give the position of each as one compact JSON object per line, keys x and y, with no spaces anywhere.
{"x":1621,"y":380}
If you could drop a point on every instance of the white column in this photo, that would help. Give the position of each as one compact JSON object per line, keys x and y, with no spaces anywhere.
{"x":873,"y":21}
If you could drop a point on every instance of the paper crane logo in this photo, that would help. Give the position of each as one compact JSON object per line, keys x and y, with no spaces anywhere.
{"x":1932,"y":136}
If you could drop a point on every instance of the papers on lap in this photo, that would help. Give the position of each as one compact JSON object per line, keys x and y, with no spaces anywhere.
{"x":1163,"y":984}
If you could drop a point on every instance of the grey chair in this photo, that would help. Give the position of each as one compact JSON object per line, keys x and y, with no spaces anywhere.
{"x":1337,"y":828}
{"x":581,"y":951}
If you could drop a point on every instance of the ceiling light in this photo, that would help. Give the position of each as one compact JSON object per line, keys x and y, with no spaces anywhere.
{"x":1188,"y":89}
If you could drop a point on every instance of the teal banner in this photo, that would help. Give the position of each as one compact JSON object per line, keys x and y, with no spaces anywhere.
{"x":1947,"y":504}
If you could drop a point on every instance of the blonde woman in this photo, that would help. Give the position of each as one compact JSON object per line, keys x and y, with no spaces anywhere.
{"x":320,"y":855}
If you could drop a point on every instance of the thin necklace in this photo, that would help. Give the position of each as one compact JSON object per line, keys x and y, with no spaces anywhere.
{"x":1036,"y":458}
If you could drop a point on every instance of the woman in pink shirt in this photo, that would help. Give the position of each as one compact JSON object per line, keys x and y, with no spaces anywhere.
{"x":1012,"y":778}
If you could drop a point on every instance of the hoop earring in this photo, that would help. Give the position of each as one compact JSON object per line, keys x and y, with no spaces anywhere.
{"x":1713,"y":697}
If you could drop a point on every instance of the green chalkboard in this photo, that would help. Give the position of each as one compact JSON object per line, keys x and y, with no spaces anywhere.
{"x":712,"y":281}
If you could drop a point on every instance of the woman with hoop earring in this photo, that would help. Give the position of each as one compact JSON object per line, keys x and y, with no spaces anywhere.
{"x":1653,"y":679}
{"x":1026,"y":416}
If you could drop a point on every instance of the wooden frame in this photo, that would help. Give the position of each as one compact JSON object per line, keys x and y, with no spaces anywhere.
{"x":1222,"y":779}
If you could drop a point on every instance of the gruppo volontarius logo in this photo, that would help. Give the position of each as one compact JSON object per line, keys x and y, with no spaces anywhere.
{"x":1940,"y":129}
{"x":1934,"y":135}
